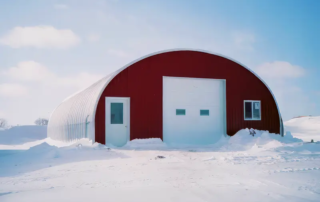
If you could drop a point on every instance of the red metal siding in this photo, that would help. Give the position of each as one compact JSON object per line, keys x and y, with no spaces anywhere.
{"x":142,"y":82}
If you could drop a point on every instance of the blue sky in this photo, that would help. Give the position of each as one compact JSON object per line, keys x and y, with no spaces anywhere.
{"x":51,"y":49}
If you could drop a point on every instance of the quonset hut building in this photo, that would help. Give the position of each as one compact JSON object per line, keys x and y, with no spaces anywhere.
{"x":180,"y":96}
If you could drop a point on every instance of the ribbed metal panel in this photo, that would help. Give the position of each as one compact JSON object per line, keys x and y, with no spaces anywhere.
{"x":74,"y":118}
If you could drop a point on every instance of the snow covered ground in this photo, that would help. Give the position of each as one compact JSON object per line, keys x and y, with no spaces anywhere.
{"x":305,"y":128}
{"x":241,"y":168}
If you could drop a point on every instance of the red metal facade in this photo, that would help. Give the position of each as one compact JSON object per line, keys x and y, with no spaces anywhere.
{"x":142,"y":82}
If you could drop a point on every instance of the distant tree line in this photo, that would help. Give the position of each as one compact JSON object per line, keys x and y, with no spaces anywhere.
{"x":3,"y":123}
{"x":41,"y":122}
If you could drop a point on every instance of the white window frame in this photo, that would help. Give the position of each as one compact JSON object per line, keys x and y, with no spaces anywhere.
{"x":244,"y":110}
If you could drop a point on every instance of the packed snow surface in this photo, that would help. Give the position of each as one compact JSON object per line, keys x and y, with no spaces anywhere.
{"x":305,"y":128}
{"x":263,"y":167}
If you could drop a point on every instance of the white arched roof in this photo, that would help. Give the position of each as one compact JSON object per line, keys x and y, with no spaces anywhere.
{"x":74,"y":117}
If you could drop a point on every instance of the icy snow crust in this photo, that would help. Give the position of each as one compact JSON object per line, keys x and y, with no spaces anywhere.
{"x":265,"y":167}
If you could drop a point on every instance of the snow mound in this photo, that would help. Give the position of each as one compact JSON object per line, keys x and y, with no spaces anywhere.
{"x":305,"y":128}
{"x":146,"y":141}
{"x":242,"y":140}
{"x":151,"y":143}
{"x":86,"y":144}
{"x":22,"y":134}
{"x":47,"y":151}
{"x":43,"y":150}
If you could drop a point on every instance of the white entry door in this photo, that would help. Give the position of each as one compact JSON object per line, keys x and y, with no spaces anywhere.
{"x":193,"y":110}
{"x":117,"y":120}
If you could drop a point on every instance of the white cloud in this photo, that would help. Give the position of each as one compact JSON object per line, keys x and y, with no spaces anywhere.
{"x":60,"y":6}
{"x":280,"y":77}
{"x":12,"y":90}
{"x":40,"y":37}
{"x":29,"y":71}
{"x":244,"y":40}
{"x":93,"y":37}
{"x":32,"y":96}
{"x":79,"y":81}
{"x":279,"y":69}
{"x":292,"y":100}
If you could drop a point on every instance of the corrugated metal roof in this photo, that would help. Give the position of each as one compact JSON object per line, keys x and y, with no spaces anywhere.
{"x":74,"y":117}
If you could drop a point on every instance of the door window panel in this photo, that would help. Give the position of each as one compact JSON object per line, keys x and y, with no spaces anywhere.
{"x":116,"y":113}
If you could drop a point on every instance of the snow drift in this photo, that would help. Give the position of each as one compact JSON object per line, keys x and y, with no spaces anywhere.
{"x":22,"y":134}
{"x":241,"y":141}
{"x":305,"y":128}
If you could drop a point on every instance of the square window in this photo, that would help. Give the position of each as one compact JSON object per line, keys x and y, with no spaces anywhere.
{"x":180,"y":112}
{"x":116,"y":113}
{"x":252,"y":110}
{"x":204,"y":112}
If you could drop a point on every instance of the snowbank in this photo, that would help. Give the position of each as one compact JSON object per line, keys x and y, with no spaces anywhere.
{"x":239,"y":142}
{"x":48,"y":152}
{"x":151,"y":143}
{"x":305,"y":128}
{"x":242,"y":140}
{"x":22,"y":134}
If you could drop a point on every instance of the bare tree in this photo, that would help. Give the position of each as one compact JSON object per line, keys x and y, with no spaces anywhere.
{"x":3,"y":123}
{"x":41,"y":122}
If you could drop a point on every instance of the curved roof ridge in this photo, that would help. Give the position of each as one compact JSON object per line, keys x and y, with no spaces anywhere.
{"x":84,"y":89}
{"x":76,"y":110}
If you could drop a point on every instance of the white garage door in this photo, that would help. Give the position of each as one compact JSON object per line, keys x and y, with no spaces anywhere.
{"x":193,"y":110}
